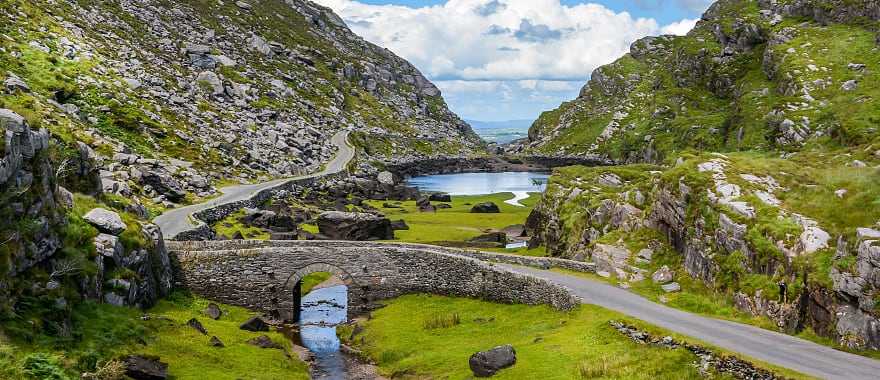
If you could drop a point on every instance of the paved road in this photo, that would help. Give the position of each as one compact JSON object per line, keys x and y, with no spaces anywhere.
{"x":768,"y":346}
{"x":178,"y":220}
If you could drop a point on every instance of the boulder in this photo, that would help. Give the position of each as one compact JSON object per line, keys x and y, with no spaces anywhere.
{"x":385,"y":178}
{"x":105,"y":221}
{"x":264,"y":341}
{"x":440,"y":197}
{"x":609,"y":180}
{"x":354,"y":226}
{"x":485,"y":208}
{"x":164,"y":184}
{"x":255,"y":324}
{"x":671,"y":287}
{"x":427,"y":208}
{"x":398,"y":225}
{"x":488,"y":363}
{"x":213,"y":311}
{"x":491,"y":237}
{"x":216,"y":342}
{"x":140,"y":367}
{"x":196,"y":325}
{"x":663,"y":275}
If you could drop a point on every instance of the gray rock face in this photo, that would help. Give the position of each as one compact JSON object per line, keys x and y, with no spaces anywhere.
{"x":106,"y":221}
{"x":338,"y":225}
{"x":385,"y":178}
{"x":488,"y":363}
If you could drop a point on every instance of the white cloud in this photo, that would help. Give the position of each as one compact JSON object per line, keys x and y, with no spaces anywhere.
{"x":680,"y":28}
{"x":531,"y":49}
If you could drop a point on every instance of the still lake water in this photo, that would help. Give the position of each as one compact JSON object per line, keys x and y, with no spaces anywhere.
{"x":518,"y":183}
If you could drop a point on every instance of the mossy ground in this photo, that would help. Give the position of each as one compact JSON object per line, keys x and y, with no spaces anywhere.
{"x":549,"y":344}
{"x":103,"y":332}
{"x":456,"y":225}
{"x":231,"y":225}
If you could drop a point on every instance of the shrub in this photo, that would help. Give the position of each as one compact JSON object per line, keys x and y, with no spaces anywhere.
{"x":442,"y":321}
{"x":588,"y":369}
{"x":43,"y":367}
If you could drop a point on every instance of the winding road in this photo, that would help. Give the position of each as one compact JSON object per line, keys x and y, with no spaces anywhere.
{"x":771,"y":347}
{"x":173,"y":222}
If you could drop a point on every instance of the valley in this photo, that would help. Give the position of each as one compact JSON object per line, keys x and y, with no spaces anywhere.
{"x":251,"y":190}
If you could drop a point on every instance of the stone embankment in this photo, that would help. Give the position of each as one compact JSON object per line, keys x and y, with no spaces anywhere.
{"x":263,"y":275}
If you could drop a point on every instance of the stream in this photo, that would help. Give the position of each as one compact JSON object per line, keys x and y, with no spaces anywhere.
{"x":322,"y":310}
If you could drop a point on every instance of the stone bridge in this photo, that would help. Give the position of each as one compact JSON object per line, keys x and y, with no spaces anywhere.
{"x":266,"y":275}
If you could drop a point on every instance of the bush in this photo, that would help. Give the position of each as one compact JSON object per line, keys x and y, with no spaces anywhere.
{"x":442,"y":321}
{"x":43,"y":367}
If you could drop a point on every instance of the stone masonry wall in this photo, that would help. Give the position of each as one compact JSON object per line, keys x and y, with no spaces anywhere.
{"x":262,"y":275}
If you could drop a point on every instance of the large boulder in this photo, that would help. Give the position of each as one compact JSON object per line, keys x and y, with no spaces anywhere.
{"x":105,"y":221}
{"x":255,"y":324}
{"x":485,"y":208}
{"x":663,"y":275}
{"x":488,"y":363}
{"x":164,"y":184}
{"x":144,"y":368}
{"x":354,"y":226}
{"x":491,"y":237}
{"x":440,"y":197}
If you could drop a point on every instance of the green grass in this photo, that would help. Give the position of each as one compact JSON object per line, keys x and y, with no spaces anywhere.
{"x":190,"y":357}
{"x":313,"y":279}
{"x":457,"y":224}
{"x":549,"y":344}
{"x":103,"y":332}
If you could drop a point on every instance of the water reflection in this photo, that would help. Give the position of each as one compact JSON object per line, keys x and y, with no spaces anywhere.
{"x":322,"y":310}
{"x":482,"y":183}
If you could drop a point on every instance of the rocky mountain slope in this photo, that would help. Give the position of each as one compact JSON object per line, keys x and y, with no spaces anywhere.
{"x":175,"y":98}
{"x":750,"y":158}
{"x":753,"y":74}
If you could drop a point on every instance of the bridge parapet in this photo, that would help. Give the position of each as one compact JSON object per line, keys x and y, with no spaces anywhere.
{"x":263,"y":275}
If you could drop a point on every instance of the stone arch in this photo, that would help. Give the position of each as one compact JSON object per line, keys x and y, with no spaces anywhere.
{"x":293,"y":286}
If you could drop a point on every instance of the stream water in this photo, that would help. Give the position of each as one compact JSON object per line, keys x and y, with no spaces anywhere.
{"x":518,"y":183}
{"x":322,"y":310}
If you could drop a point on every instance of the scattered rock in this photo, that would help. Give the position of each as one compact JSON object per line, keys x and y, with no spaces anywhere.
{"x":663,"y":275}
{"x":440,"y":197}
{"x":216,"y":342}
{"x":264,"y":341}
{"x":255,"y":324}
{"x":106,"y":221}
{"x":385,"y":178}
{"x":488,"y":363}
{"x":840,"y":193}
{"x":140,"y":367}
{"x":339,"y":225}
{"x":195,"y":324}
{"x":671,"y":287}
{"x":398,"y":225}
{"x":849,"y":85}
{"x":609,"y":180}
{"x":491,"y":237}
{"x":485,"y":208}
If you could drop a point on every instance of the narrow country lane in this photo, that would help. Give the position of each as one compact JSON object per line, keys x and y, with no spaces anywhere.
{"x":173,"y":222}
{"x":776,"y":348}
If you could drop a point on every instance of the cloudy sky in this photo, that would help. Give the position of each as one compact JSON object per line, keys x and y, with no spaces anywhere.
{"x":512,"y":59}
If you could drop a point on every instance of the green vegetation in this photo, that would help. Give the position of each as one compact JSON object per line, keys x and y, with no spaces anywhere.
{"x":549,"y":344}
{"x":191,"y":357}
{"x":101,"y":334}
{"x":232,"y":226}
{"x":456,"y":225}
{"x":313,"y":279}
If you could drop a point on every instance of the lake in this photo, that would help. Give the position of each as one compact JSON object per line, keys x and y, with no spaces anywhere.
{"x":518,"y":183}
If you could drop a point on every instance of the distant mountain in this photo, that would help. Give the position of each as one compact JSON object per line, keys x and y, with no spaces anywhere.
{"x":501,"y":132}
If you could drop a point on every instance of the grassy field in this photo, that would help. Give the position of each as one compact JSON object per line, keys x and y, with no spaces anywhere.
{"x":102,"y":333}
{"x":457,"y":224}
{"x":406,"y":339}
